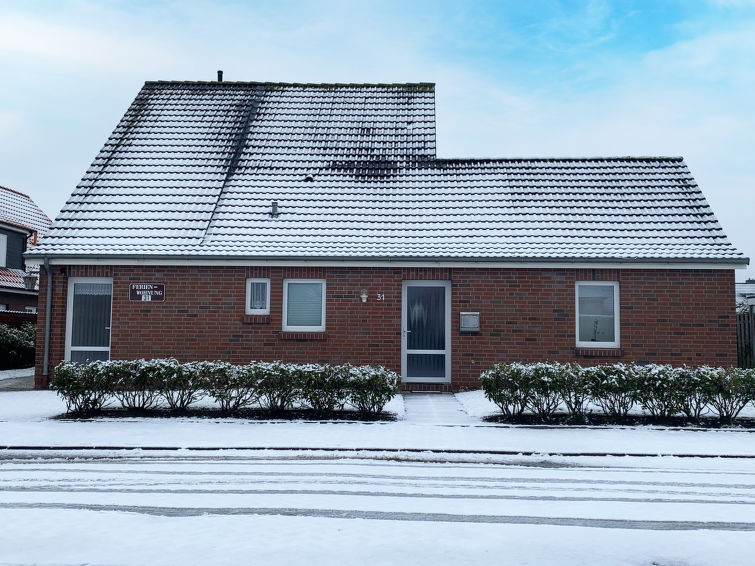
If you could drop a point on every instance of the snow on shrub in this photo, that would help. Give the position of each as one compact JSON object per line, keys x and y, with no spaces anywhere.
{"x":84,"y":387}
{"x":180,"y":384}
{"x":692,"y":387}
{"x":276,"y":386}
{"x":371,"y":387}
{"x":613,"y":388}
{"x":232,"y":387}
{"x":658,"y":389}
{"x":730,"y":390}
{"x":661,"y":390}
{"x":324,"y":387}
{"x":510,"y":386}
{"x":17,"y":346}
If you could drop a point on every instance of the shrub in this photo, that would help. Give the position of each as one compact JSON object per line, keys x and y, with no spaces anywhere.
{"x":135,"y":383}
{"x":546,"y":391}
{"x":17,"y":346}
{"x":658,"y":389}
{"x":693,"y":389}
{"x":324,"y":388}
{"x":84,"y":387}
{"x":279,"y":385}
{"x":613,"y":388}
{"x":232,"y":387}
{"x":730,"y":390}
{"x":509,"y":386}
{"x":179,"y":384}
{"x":572,"y":384}
{"x":371,"y":387}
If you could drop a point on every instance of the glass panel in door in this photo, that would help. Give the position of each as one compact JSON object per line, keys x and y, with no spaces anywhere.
{"x":90,"y":321}
{"x":426,"y":331}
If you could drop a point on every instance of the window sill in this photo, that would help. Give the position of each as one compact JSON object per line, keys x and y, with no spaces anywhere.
{"x":303,"y":336}
{"x":599,"y":352}
{"x":256,"y":319}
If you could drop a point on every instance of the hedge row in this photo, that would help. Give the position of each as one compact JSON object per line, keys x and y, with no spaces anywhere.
{"x":661,"y":390}
{"x":275,"y":386}
{"x":17,"y":346}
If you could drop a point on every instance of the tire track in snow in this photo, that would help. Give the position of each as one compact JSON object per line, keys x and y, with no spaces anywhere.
{"x":393,"y":516}
{"x":348,"y":493}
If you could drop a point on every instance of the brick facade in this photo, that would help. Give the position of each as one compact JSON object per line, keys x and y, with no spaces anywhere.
{"x":17,"y":301}
{"x":667,"y":315}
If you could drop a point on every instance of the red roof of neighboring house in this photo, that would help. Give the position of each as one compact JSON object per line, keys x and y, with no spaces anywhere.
{"x":18,"y":209}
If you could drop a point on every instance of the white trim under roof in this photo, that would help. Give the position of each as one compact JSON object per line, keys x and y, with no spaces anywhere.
{"x":565,"y":264}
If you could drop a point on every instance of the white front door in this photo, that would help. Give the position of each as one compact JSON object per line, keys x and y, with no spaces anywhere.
{"x":88,"y":319}
{"x":426,"y":331}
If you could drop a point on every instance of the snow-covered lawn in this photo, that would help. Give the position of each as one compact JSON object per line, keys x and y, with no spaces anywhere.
{"x":291,"y":492}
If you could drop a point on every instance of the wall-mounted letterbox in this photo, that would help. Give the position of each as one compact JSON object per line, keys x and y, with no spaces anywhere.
{"x":469,"y":322}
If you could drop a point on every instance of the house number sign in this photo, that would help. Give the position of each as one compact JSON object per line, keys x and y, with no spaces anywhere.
{"x":146,"y":292}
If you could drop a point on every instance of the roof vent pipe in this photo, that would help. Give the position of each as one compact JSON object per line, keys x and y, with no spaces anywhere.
{"x":220,"y":76}
{"x":274,"y":209}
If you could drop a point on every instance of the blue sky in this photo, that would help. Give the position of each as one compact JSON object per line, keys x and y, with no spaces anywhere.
{"x":512,"y":78}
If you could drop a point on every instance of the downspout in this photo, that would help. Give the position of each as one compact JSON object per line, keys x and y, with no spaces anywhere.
{"x":46,"y":366}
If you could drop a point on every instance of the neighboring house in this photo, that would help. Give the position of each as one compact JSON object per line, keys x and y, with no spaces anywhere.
{"x":314,"y":223}
{"x":21,"y":223}
{"x":746,"y":296}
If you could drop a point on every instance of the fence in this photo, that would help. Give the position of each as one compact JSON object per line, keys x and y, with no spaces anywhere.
{"x":746,"y":339}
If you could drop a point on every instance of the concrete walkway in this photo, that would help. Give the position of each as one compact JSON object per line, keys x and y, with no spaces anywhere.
{"x":435,"y":408}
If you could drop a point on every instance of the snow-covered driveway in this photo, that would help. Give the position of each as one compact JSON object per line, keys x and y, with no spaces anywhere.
{"x":296,"y":507}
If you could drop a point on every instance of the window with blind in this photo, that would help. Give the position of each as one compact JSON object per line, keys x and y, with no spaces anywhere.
{"x":597,"y":304}
{"x":304,"y":305}
{"x":257,"y":296}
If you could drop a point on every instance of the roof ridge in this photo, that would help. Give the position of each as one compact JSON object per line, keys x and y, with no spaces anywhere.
{"x":557,"y":159}
{"x":15,"y":191}
{"x":419,"y":85}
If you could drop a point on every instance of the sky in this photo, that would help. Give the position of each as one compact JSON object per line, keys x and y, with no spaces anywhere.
{"x":513,"y":79}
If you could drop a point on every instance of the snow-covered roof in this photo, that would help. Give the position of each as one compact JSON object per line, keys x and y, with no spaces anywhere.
{"x":192,"y":170}
{"x":17,"y":209}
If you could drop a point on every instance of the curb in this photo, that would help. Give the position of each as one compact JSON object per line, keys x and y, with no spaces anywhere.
{"x":357,"y":450}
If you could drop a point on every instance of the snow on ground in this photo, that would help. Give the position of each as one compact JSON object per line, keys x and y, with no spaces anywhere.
{"x":294,"y":496}
{"x":15,"y":373}
{"x":25,"y":420}
{"x":199,"y":509}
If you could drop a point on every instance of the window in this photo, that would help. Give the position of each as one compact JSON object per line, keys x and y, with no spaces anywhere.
{"x":31,"y":309}
{"x":597,"y":314}
{"x":3,"y":307}
{"x":258,"y":296}
{"x":304,"y":305}
{"x":3,"y":249}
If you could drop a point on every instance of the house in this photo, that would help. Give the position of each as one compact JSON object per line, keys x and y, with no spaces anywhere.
{"x":21,"y":223}
{"x":315,"y":223}
{"x":746,"y":296}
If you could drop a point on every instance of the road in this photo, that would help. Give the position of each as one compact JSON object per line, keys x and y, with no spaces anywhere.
{"x":301,"y":507}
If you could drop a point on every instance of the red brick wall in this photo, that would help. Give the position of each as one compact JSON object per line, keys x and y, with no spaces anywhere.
{"x":669,"y":316}
{"x":17,"y":301}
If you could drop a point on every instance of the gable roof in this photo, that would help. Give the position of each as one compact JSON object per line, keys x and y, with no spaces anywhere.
{"x":17,"y":209}
{"x":192,"y":170}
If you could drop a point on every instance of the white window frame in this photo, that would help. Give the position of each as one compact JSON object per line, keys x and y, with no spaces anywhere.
{"x":3,"y":250}
{"x":616,"y":323}
{"x":69,"y":315}
{"x":249,"y":282}
{"x":288,"y":328}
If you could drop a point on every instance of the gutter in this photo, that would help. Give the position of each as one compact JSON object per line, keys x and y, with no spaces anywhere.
{"x":48,"y":305}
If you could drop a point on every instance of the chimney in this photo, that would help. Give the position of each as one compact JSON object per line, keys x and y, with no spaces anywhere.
{"x":220,"y":76}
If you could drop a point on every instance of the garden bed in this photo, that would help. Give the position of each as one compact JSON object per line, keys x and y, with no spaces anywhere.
{"x":599,"y":420}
